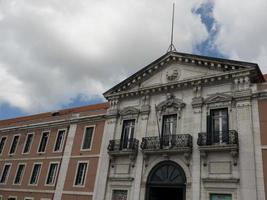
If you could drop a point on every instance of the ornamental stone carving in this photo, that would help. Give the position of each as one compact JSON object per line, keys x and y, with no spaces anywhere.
{"x":172,"y":74}
{"x":171,"y":105}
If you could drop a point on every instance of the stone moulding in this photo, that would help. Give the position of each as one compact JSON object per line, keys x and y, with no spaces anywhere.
{"x":181,"y":84}
{"x":222,"y":65}
{"x":231,"y":148}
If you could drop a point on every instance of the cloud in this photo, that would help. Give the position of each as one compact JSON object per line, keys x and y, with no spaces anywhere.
{"x":53,"y":51}
{"x":242,"y":34}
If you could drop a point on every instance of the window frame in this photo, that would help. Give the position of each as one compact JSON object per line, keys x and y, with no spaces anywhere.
{"x":219,"y":193}
{"x":3,"y":144}
{"x":56,"y":173}
{"x":23,"y":172}
{"x":132,"y":132}
{"x":30,"y":133}
{"x":92,"y":138}
{"x":85,"y":174}
{"x":28,"y":198}
{"x":35,"y":184}
{"x":10,"y":154}
{"x":220,"y":132}
{"x":43,"y":152}
{"x":9,"y":170}
{"x":63,"y":142}
{"x":15,"y":197}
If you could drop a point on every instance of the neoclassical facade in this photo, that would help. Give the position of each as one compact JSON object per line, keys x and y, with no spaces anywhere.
{"x":184,"y":127}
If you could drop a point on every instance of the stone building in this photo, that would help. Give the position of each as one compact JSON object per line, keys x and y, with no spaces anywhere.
{"x":184,"y":127}
{"x":262,"y":102}
{"x":51,"y":155}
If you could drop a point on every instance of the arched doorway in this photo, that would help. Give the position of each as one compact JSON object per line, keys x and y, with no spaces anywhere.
{"x":166,"y":181}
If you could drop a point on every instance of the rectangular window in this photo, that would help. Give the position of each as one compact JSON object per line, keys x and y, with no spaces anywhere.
{"x":80,"y":174}
{"x":2,"y":144}
{"x":169,"y":124}
{"x":60,"y":140}
{"x":220,"y":197}
{"x":87,"y":138}
{"x":35,"y":174}
{"x":12,"y":198}
{"x":19,"y":174}
{"x":28,"y":143}
{"x":119,"y":195}
{"x":14,"y":144}
{"x":52,"y":173}
{"x":28,"y":198}
{"x":219,"y":125}
{"x":127,"y":133}
{"x":43,"y":142}
{"x":5,"y":173}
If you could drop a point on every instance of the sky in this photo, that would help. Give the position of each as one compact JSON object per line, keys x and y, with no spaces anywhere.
{"x":58,"y":54}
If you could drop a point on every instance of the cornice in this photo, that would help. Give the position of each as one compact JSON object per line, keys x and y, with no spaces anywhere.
{"x":182,"y":84}
{"x":218,"y":64}
{"x":68,"y":121}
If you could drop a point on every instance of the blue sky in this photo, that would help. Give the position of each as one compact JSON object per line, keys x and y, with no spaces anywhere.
{"x":55,"y":56}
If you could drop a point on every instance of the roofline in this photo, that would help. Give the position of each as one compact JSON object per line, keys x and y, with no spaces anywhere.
{"x":63,"y":112}
{"x":188,"y":55}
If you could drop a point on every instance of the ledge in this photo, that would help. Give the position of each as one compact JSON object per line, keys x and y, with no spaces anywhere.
{"x":219,"y":147}
{"x":167,"y":151}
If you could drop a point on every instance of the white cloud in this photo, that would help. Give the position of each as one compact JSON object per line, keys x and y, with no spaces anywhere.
{"x":243,"y":29}
{"x":52,"y":51}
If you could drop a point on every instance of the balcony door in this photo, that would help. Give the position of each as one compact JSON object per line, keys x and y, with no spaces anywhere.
{"x":127,"y":133}
{"x":168,"y":129}
{"x":219,"y":125}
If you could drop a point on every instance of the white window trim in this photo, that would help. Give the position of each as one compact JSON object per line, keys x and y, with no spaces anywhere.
{"x":48,"y":131}
{"x":10,"y":154}
{"x":63,"y":142}
{"x":21,"y":174}
{"x":92,"y":139}
{"x":35,"y":163}
{"x":77,"y":167}
{"x":56,"y":173}
{"x":25,"y":143}
{"x":15,"y":197}
{"x":7,"y":172}
{"x":28,"y":198}
{"x":4,"y":144}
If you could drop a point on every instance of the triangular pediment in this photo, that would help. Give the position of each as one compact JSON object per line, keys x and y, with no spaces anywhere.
{"x":218,"y":97}
{"x":175,"y":67}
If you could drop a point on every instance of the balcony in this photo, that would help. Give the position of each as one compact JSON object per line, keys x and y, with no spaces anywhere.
{"x":180,"y":143}
{"x":218,"y":141}
{"x":120,"y":148}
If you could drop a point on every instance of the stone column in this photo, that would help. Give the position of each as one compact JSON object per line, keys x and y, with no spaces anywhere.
{"x":104,"y":159}
{"x":196,"y":164}
{"x":65,"y":162}
{"x":246,"y":151}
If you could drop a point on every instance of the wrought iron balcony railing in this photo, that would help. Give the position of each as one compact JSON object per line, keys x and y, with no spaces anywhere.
{"x":178,"y":141}
{"x":125,"y":145}
{"x":229,"y":137}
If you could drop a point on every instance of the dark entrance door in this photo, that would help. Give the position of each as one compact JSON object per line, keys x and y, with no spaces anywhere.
{"x":166,"y":181}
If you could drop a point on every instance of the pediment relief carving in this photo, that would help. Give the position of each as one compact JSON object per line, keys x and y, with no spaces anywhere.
{"x":129,"y":111}
{"x":170,"y":106}
{"x":218,"y":97}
